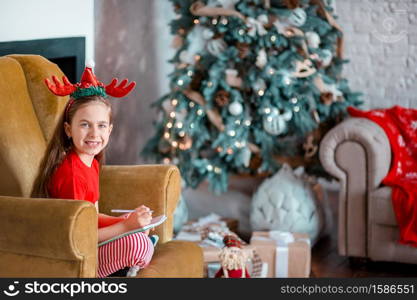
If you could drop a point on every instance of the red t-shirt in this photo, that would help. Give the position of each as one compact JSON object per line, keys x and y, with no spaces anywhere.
{"x":75,"y":180}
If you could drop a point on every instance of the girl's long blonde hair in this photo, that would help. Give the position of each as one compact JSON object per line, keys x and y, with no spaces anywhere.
{"x":61,"y":144}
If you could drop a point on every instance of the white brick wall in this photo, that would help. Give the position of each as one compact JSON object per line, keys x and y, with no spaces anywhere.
{"x":381,"y":44}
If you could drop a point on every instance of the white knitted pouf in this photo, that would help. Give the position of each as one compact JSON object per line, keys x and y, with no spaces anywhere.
{"x":286,"y":202}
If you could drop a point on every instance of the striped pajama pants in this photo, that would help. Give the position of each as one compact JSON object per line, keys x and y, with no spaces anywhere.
{"x":132,"y":250}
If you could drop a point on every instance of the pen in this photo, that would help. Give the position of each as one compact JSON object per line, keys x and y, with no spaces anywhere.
{"x":126,"y":211}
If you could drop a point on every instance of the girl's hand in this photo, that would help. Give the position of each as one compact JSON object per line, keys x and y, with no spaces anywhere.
{"x":144,"y":214}
{"x":139,"y":218}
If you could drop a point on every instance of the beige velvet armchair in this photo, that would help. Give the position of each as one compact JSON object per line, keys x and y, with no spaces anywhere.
{"x":55,"y":237}
{"x":358,"y":153}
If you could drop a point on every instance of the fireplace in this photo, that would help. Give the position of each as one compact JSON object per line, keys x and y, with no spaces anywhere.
{"x":67,"y":53}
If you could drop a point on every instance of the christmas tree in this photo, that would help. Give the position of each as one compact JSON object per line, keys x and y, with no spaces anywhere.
{"x":256,"y":83}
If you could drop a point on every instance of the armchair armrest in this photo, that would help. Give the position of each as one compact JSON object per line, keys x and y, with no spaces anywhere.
{"x":47,"y":238}
{"x":358,"y":153}
{"x":370,"y":137}
{"x":156,"y":186}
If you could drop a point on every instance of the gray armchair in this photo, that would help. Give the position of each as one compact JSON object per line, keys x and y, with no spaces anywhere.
{"x":357,"y":152}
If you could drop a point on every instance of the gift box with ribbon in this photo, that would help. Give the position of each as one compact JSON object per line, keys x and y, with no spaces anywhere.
{"x":287,"y":254}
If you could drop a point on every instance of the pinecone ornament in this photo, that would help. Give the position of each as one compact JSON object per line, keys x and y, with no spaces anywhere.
{"x":222,"y":98}
{"x":243,"y":49}
{"x":310,"y":147}
{"x":185,"y":142}
{"x":292,"y":4}
{"x":326,"y":98}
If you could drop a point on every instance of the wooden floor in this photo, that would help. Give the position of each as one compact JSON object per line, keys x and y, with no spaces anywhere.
{"x":326,"y":262}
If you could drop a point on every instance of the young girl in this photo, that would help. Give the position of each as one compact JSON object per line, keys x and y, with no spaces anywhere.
{"x":70,"y":169}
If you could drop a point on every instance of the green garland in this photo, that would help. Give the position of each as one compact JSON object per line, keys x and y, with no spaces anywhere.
{"x":91,"y":91}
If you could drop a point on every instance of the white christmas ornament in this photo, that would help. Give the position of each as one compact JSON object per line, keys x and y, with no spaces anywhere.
{"x":245,"y":155}
{"x":332,"y":88}
{"x":235,"y":108}
{"x":207,"y":33}
{"x":285,"y":202}
{"x":217,"y":46}
{"x":261,"y":59}
{"x":282,"y":26}
{"x":297,"y":17}
{"x":257,"y":25}
{"x":326,"y":57}
{"x":275,"y":123}
{"x":313,"y":39}
{"x":196,"y":44}
{"x":232,"y":78}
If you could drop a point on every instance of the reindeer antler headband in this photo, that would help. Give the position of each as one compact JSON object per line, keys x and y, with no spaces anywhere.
{"x":89,"y":86}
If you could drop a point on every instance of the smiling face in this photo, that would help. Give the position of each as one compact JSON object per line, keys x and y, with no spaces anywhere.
{"x":90,"y":130}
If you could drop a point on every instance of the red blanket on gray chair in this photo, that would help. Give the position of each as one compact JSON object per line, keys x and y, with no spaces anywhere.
{"x":400,"y":125}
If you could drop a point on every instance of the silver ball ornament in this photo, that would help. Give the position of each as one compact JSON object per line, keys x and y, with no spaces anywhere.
{"x":298,"y":17}
{"x":313,"y":39}
{"x":235,"y":108}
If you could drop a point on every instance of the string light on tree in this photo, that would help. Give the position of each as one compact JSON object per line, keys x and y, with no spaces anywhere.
{"x":271,"y":71}
{"x":246,"y":78}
